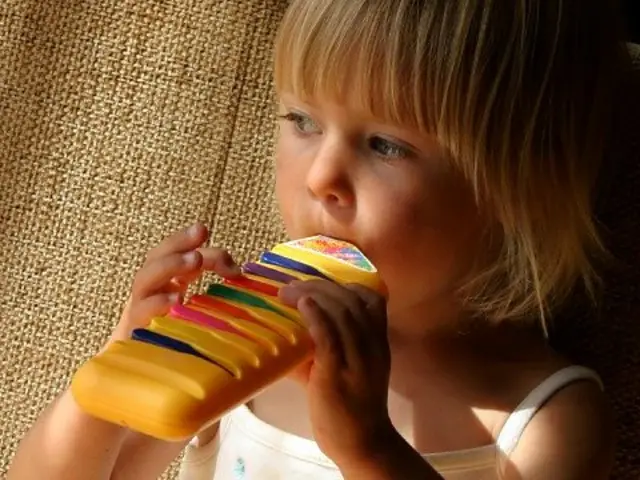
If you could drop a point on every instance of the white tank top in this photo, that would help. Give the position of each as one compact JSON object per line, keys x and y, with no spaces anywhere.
{"x":246,"y":448}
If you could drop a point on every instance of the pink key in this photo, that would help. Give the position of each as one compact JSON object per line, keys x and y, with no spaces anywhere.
{"x":200,"y":318}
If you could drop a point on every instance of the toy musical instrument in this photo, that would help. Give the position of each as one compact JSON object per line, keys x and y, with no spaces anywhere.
{"x":217,"y":350}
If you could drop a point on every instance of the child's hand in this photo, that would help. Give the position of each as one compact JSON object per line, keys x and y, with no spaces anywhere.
{"x":166,"y":273}
{"x":347,"y":382}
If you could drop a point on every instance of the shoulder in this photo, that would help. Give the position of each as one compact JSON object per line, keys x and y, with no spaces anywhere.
{"x":570,"y":437}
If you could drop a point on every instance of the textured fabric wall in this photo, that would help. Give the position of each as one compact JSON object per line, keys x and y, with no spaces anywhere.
{"x":121,"y":120}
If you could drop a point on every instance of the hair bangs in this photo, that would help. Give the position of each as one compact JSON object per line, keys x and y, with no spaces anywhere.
{"x":518,"y":93}
{"x":351,"y":54}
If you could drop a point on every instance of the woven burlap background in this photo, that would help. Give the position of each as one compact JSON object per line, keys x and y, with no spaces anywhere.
{"x":122,"y":120}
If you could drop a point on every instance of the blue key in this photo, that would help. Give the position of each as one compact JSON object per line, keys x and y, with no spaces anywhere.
{"x":155,"y":338}
{"x":271,"y":258}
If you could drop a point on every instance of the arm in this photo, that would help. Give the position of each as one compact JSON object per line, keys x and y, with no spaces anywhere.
{"x":571,"y":438}
{"x":65,"y":443}
{"x":142,"y":457}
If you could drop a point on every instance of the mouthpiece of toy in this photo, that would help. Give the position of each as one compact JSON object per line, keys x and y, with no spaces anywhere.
{"x":183,"y":371}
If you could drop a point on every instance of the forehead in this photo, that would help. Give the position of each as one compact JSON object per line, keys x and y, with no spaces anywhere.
{"x":355,"y":57}
{"x":355,"y":89}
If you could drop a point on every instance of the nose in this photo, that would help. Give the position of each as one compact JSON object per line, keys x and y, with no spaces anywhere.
{"x":330,"y":176}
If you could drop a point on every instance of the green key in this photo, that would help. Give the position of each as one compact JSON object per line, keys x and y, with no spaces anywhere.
{"x":224,"y":291}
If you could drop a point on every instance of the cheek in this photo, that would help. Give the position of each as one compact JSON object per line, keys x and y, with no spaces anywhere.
{"x":289,"y":179}
{"x":291,"y":158}
{"x":427,"y":241}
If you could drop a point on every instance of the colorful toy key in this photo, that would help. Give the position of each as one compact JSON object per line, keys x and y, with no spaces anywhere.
{"x":185,"y":370}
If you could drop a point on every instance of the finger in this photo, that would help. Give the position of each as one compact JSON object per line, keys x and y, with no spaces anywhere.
{"x":375,"y":305}
{"x":180,"y":242}
{"x":213,"y":260}
{"x":356,"y":305}
{"x":219,"y":261}
{"x":181,"y":283}
{"x":345,"y":305}
{"x":329,"y":352}
{"x":156,"y":276}
{"x":140,"y":313}
{"x":339,"y":319}
{"x":367,"y":336}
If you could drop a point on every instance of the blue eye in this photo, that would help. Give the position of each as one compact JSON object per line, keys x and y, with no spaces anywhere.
{"x":387,"y":148}
{"x":302,"y":123}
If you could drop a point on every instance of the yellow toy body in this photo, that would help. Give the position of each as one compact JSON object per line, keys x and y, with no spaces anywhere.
{"x":185,"y":370}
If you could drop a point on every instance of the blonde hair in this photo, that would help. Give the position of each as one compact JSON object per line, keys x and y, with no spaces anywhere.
{"x":516,"y":90}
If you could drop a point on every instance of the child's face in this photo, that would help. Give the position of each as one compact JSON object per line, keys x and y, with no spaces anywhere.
{"x":390,"y":191}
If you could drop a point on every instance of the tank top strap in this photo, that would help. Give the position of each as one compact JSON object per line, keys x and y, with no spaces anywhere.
{"x":516,"y":423}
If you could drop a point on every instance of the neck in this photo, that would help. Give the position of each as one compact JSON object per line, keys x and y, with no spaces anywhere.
{"x":420,"y":323}
{"x":446,"y":334}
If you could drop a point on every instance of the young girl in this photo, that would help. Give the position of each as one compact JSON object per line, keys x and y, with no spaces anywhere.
{"x":457,"y":144}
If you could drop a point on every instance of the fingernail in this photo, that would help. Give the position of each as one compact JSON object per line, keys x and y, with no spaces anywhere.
{"x":173,"y":298}
{"x":190,"y":258}
{"x":194,"y":230}
{"x":231,"y":265}
{"x":310,"y":302}
{"x":289,"y":294}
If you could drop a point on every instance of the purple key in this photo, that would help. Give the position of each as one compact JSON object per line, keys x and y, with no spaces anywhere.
{"x":269,"y":273}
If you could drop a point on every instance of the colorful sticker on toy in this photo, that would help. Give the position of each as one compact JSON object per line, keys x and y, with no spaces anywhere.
{"x":337,"y":249}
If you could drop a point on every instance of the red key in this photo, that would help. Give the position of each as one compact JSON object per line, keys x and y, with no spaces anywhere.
{"x":255,"y":285}
{"x":215,"y":304}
